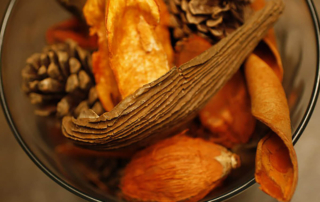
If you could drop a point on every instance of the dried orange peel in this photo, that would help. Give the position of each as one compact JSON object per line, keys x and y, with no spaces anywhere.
{"x":276,"y":160}
{"x":137,"y":56}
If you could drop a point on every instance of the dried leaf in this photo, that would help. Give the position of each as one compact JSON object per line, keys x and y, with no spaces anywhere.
{"x":228,"y":114}
{"x":276,"y":161}
{"x":106,"y":84}
{"x":179,"y":168}
{"x":136,"y":55}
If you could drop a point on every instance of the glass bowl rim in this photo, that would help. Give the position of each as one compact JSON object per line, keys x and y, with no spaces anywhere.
{"x":236,"y":191}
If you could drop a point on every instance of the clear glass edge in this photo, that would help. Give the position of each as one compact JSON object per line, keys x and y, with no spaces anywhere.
{"x":297,"y":134}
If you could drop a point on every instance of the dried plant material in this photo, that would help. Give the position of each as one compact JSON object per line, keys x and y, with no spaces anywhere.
{"x":257,"y":4}
{"x":276,"y":160}
{"x":137,"y":56}
{"x":71,"y":29}
{"x":179,"y":168}
{"x":228,"y":114}
{"x":267,"y":49}
{"x":212,"y":19}
{"x":176,"y":97}
{"x":163,"y":33}
{"x":61,"y":75}
{"x":106,"y":84}
{"x":189,"y":48}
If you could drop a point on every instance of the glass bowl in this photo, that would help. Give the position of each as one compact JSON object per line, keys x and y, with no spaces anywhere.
{"x":23,"y":33}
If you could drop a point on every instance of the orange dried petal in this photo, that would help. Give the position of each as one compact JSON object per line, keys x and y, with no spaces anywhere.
{"x":163,"y":33}
{"x":116,"y":9}
{"x":228,"y":114}
{"x":94,"y":13}
{"x":276,"y":160}
{"x":137,"y":56}
{"x":106,"y":84}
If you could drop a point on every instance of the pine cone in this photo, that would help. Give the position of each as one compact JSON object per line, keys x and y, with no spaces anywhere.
{"x":59,"y":80}
{"x":211,"y":19}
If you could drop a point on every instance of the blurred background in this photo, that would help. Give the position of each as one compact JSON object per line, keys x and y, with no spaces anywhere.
{"x":21,"y":180}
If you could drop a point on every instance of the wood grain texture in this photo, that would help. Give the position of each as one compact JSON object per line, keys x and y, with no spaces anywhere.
{"x":176,"y":97}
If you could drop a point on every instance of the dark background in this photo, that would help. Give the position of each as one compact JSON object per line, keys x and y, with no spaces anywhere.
{"x":21,"y":180}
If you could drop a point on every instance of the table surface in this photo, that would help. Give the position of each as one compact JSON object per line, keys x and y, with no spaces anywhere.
{"x":21,"y":180}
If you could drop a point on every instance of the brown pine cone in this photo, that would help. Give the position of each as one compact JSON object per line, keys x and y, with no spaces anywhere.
{"x":211,"y":19}
{"x":59,"y":81}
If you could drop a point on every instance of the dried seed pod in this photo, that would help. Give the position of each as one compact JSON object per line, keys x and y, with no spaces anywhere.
{"x":179,"y":168}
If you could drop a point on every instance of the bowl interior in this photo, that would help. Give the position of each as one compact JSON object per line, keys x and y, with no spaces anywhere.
{"x":24,"y":35}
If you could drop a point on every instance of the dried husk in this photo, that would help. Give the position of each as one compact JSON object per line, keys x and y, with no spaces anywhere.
{"x":276,"y":160}
{"x":179,"y":168}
